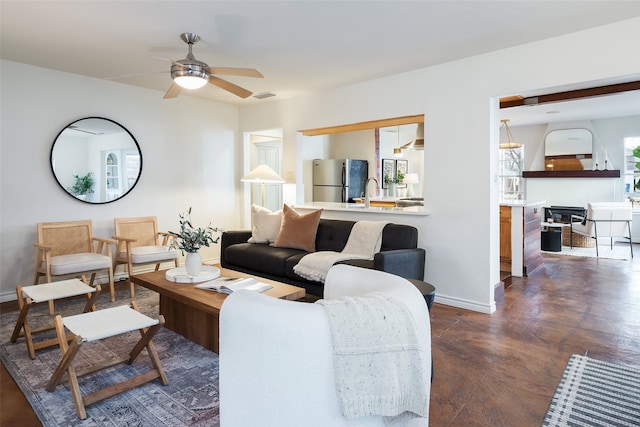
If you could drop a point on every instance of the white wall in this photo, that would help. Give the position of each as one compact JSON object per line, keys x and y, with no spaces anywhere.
{"x":188,"y":145}
{"x":459,"y":100}
{"x":189,"y":149}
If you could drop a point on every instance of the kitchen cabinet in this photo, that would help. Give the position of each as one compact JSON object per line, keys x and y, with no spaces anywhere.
{"x":520,"y":238}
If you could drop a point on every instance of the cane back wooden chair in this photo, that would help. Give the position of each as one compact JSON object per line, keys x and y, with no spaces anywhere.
{"x":138,"y":243}
{"x":68,"y":248}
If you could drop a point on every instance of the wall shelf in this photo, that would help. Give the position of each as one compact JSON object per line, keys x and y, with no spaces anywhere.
{"x":572,"y":174}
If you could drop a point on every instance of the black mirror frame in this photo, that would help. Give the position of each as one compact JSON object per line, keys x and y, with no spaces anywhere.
{"x":62,"y":186}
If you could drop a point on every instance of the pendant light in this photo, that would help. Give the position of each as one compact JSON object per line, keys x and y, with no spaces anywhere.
{"x":511,"y":142}
{"x":418,"y":143}
{"x":397,"y":152}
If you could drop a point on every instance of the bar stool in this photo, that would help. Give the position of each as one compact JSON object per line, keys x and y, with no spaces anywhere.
{"x":98,"y":325}
{"x":28,"y":296}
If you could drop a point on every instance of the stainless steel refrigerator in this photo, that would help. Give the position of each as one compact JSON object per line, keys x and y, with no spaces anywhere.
{"x":339,"y":180}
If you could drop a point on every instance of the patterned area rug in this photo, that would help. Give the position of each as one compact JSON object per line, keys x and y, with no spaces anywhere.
{"x":190,"y":398}
{"x":595,"y":393}
{"x":620,"y":251}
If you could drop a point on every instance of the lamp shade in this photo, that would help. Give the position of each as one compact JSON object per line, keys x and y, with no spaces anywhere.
{"x":263,"y":173}
{"x":418,"y":143}
{"x":410,"y":178}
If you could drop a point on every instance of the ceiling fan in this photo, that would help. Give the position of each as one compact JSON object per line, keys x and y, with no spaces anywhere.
{"x":189,"y":73}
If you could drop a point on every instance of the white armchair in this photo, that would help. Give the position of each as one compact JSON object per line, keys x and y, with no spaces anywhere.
{"x":276,"y":357}
{"x":604,"y":219}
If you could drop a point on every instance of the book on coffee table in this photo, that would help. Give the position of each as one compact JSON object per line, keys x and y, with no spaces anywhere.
{"x":227,"y":285}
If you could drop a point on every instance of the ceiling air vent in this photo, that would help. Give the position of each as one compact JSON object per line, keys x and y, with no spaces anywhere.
{"x":264,"y":95}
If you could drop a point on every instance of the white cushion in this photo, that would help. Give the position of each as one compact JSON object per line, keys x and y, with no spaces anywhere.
{"x":265,"y":225}
{"x":107,"y":322}
{"x":149,"y":254}
{"x":57,"y":290}
{"x":75,"y":263}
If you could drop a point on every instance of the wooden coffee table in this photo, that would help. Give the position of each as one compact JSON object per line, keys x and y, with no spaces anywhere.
{"x":195,"y":313}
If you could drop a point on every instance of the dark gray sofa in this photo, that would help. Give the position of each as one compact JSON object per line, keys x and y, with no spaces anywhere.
{"x":398,"y":254}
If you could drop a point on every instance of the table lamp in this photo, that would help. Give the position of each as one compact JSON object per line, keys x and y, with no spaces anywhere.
{"x":263,"y":174}
{"x":410,"y":179}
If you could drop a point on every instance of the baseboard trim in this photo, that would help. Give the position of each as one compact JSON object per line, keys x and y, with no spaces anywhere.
{"x":465,"y":304}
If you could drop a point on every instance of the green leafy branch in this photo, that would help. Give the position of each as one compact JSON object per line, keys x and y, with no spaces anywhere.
{"x":190,"y":239}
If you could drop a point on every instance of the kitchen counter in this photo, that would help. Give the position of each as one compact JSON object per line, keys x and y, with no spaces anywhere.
{"x":521,"y":203}
{"x":359,"y":207}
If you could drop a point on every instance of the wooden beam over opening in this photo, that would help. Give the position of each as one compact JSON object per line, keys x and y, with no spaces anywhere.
{"x":397,"y":121}
{"x":517,"y":100}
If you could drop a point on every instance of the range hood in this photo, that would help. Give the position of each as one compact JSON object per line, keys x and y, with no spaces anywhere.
{"x":418,"y":143}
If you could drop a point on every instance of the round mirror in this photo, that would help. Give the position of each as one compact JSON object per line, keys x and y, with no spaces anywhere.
{"x":96,"y":160}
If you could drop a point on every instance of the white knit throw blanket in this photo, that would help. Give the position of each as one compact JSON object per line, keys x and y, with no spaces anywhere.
{"x":364,"y":241}
{"x":379,"y":366}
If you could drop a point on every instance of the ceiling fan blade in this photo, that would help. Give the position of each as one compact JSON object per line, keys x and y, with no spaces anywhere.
{"x":169,"y":60}
{"x":233,"y":71}
{"x":173,"y":91}
{"x":230,"y":87}
{"x":127,"y":76}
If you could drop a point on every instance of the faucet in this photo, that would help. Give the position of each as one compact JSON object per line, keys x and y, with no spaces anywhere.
{"x":367,"y":198}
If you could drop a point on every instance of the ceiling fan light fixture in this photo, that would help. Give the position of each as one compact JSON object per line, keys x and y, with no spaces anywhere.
{"x":191,"y":77}
{"x":191,"y":82}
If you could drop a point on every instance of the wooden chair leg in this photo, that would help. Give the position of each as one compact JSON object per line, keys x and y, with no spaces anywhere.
{"x":49,"y":279}
{"x":112,"y":288}
{"x":132,"y":286}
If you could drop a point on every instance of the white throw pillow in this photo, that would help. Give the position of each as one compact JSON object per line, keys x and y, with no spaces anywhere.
{"x":265,"y":225}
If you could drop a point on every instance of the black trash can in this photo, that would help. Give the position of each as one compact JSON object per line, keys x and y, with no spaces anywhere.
{"x":551,"y":240}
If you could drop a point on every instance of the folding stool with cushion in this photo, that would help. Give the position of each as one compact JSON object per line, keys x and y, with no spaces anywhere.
{"x":28,"y":296}
{"x":67,"y":249}
{"x":138,"y":244}
{"x":98,"y":325}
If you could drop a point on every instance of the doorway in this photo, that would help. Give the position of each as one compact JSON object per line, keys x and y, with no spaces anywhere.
{"x":266,"y":149}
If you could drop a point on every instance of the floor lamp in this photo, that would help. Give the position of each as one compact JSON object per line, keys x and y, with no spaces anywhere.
{"x":263,"y":174}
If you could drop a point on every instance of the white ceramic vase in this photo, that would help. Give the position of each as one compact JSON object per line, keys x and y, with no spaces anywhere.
{"x":393,"y":190}
{"x":193,"y":263}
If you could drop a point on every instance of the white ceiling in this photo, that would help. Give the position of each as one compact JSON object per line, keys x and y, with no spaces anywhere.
{"x":301,"y":47}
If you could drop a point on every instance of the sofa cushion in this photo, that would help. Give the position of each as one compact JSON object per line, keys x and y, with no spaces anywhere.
{"x":333,"y":234}
{"x":298,"y":231}
{"x":396,"y":236}
{"x":260,"y":257}
{"x":265,"y":225}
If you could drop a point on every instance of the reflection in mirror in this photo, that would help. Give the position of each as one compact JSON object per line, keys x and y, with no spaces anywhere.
{"x":96,"y":160}
{"x":568,"y":149}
